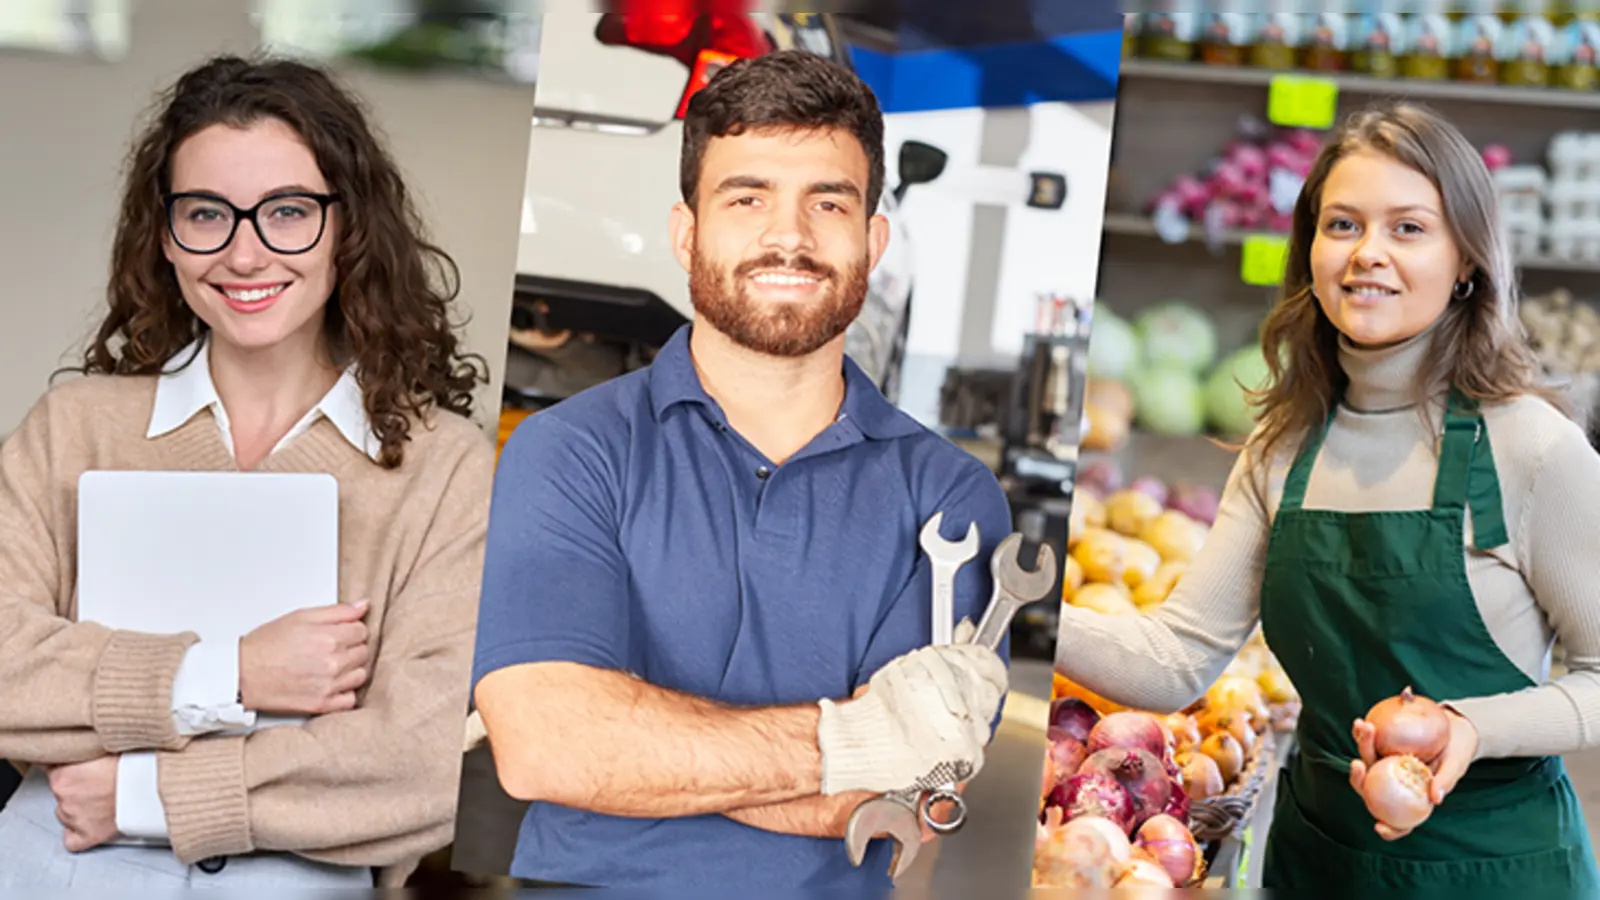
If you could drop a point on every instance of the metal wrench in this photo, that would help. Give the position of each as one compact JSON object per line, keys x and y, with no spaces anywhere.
{"x":947,"y":558}
{"x":899,"y":815}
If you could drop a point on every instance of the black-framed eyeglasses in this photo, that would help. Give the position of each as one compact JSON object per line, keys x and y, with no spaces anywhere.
{"x":287,"y":223}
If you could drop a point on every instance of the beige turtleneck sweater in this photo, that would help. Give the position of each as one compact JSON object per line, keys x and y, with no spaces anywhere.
{"x":1379,"y":455}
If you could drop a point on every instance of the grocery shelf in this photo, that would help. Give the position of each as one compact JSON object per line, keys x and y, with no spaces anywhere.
{"x":1135,"y":225}
{"x":1420,"y":89}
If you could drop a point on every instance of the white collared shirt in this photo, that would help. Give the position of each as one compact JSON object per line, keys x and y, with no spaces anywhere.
{"x":205,"y":693}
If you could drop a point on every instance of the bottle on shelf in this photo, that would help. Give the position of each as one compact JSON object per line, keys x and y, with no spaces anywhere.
{"x":1277,"y":35}
{"x":1526,"y":44}
{"x":1478,"y":39}
{"x":1377,"y":40}
{"x":1130,"y":34}
{"x":1168,"y":31}
{"x":1573,"y":56}
{"x":1326,"y":43}
{"x":1225,"y":38}
{"x":1428,"y":45}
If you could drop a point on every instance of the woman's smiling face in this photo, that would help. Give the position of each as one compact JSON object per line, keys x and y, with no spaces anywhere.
{"x":1384,"y":260}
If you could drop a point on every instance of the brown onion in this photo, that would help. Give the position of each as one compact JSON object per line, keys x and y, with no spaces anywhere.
{"x":1202,"y":778}
{"x":1171,"y":844}
{"x":1399,"y":791}
{"x":1409,"y":725}
{"x":1224,"y":749}
{"x":1234,"y":722}
{"x":1184,"y":730}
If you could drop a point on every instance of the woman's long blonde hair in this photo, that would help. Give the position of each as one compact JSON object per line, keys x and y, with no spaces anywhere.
{"x":1479,"y":345}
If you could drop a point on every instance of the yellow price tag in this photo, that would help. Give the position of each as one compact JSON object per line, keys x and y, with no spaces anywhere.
{"x":1302,"y":101}
{"x":1262,"y":260}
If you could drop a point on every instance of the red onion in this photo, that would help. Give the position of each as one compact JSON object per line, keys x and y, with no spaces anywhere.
{"x":1198,"y":502}
{"x":1073,"y":717}
{"x":1139,"y":773}
{"x":1398,"y":791}
{"x":1171,"y":844}
{"x":1066,"y":753}
{"x":1409,"y":724}
{"x":1128,"y":729}
{"x":1178,"y":806}
{"x":1094,"y":794}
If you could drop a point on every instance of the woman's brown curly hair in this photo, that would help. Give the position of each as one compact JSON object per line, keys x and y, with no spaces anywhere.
{"x":390,"y":309}
{"x":1479,"y":345}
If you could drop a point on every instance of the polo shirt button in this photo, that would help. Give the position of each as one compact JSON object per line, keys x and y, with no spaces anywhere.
{"x":763,"y":472}
{"x":212,"y":865}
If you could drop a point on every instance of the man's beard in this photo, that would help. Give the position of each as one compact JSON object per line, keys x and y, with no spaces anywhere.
{"x":777,"y":329}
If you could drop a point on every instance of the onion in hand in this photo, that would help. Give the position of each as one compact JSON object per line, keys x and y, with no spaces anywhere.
{"x":1409,"y":725}
{"x":1398,"y":791}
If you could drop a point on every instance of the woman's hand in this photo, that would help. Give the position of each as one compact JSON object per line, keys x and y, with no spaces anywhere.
{"x":86,"y":802}
{"x":308,"y":662}
{"x":1458,"y":754}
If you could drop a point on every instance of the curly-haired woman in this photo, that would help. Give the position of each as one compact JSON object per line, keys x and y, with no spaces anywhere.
{"x":273,"y":307}
{"x":1414,"y":509}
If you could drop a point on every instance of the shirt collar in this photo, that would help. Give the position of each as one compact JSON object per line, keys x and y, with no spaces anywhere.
{"x":185,"y":388}
{"x":673,"y":380}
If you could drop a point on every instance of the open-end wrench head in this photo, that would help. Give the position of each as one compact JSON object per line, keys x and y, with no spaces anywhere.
{"x":1006,"y":567}
{"x":938,"y":548}
{"x":881,"y":817}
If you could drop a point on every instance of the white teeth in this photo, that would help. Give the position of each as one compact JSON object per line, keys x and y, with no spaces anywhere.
{"x":256,"y":295}
{"x":1366,"y":291}
{"x":785,"y":280}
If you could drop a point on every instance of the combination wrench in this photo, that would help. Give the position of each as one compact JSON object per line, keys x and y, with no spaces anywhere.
{"x":898,"y":815}
{"x":946,"y":558}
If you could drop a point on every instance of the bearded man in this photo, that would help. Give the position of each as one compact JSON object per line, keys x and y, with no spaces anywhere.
{"x":702,"y":639}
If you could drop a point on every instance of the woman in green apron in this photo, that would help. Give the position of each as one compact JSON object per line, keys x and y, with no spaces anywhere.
{"x":1413,"y":509}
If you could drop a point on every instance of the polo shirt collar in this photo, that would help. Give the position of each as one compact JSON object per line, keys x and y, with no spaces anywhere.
{"x":673,"y":380}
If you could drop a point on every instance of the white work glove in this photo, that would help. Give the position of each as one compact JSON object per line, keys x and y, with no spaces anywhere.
{"x":933,"y":705}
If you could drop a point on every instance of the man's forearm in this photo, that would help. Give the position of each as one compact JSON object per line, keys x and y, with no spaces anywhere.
{"x":818,"y":816}
{"x":605,"y":742}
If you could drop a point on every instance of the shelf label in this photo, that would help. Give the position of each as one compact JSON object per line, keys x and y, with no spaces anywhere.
{"x":1302,"y":101}
{"x":1262,"y":259}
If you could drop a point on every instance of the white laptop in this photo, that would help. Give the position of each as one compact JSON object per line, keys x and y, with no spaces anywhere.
{"x":215,"y":553}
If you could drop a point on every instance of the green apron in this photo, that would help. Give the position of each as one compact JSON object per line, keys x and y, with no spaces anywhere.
{"x":1357,"y":606}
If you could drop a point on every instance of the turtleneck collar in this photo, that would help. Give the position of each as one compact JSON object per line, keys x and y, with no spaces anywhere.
{"x":1383,"y":379}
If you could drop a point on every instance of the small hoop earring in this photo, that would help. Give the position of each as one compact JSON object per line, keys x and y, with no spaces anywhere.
{"x":1463,"y":289}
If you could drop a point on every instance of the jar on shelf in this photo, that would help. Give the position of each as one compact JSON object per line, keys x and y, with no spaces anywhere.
{"x":1277,"y":38}
{"x":1225,"y":38}
{"x":1130,"y":35}
{"x":1573,"y":56}
{"x":1526,"y":44}
{"x":1428,"y":46}
{"x":1168,"y":32}
{"x":1326,"y":38}
{"x":1376,"y":40}
{"x":1478,"y":37}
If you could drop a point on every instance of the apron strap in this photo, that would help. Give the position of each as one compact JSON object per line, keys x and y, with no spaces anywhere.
{"x":1468,"y":459}
{"x":1294,"y":484}
{"x":1462,"y":428}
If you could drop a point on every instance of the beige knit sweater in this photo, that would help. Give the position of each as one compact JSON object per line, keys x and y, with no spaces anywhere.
{"x":374,"y":786}
{"x":1379,"y":455}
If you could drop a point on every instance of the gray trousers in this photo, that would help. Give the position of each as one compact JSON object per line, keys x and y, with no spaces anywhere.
{"x":32,"y":856}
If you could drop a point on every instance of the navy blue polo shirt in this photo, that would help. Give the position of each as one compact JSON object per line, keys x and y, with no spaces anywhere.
{"x":633,"y":529}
